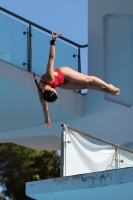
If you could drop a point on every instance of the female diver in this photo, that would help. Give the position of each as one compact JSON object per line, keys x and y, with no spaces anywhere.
{"x":68,"y":79}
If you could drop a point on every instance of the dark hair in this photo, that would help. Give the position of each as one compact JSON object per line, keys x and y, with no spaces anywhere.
{"x":48,"y":95}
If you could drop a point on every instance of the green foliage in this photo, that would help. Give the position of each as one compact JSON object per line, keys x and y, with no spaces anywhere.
{"x":2,"y":197}
{"x":19,"y":165}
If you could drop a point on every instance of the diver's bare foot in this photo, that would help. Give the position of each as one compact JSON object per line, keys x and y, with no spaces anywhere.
{"x":113,"y":89}
{"x":110,"y":92}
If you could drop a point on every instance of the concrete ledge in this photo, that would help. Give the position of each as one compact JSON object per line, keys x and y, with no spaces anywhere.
{"x":117,"y":182}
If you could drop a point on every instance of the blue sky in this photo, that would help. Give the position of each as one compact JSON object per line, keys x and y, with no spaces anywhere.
{"x":69,"y":17}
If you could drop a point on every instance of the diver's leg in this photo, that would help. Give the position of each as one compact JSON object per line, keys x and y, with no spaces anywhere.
{"x":79,"y":86}
{"x":74,"y":76}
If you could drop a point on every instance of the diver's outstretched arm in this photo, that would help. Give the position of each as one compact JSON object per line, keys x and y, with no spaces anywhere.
{"x":47,"y":117}
{"x":50,"y":65}
{"x":45,"y":112}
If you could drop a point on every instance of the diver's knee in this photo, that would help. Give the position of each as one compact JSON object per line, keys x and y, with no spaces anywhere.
{"x":89,"y":79}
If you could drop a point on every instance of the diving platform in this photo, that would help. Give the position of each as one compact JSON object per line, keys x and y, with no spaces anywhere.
{"x":111,"y":184}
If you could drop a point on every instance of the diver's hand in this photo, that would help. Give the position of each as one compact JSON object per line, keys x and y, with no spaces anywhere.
{"x":48,"y":123}
{"x":54,"y":36}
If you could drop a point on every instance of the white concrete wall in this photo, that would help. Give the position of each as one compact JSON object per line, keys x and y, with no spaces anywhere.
{"x":107,"y":119}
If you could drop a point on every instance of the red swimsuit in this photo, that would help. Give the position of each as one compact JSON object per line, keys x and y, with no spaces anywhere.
{"x":58,"y":80}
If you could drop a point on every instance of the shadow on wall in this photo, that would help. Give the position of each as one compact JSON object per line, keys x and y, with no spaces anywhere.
{"x":118,"y":59}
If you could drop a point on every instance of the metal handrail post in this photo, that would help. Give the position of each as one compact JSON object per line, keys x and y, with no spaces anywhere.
{"x":29,"y":49}
{"x":79,"y":64}
{"x":62,"y":154}
{"x":116,"y":158}
{"x":79,"y":60}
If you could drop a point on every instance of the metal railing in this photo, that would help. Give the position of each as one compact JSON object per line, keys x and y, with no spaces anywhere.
{"x":29,"y":36}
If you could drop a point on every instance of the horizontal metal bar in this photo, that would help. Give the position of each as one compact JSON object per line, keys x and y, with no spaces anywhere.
{"x":42,"y":28}
{"x":101,"y":140}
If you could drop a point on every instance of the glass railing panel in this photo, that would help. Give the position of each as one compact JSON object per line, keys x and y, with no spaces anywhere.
{"x":64,"y":56}
{"x":125,"y":159}
{"x":40,"y":52}
{"x":13,"y":43}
